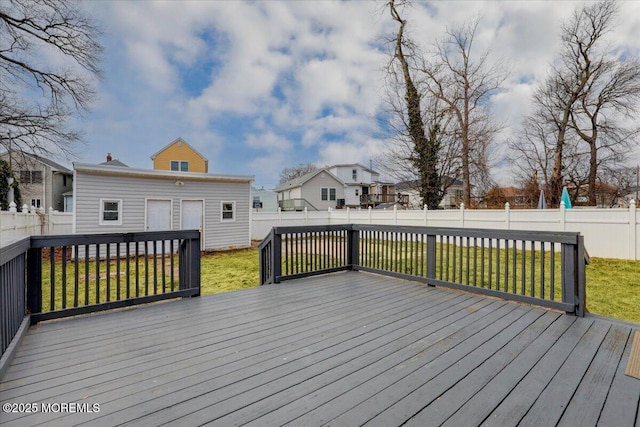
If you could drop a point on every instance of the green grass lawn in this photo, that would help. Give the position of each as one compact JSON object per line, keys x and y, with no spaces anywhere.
{"x":613,"y":286}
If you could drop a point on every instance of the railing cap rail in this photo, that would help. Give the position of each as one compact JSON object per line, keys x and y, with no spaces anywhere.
{"x":103,"y":238}
{"x":9,"y":252}
{"x":528,"y":235}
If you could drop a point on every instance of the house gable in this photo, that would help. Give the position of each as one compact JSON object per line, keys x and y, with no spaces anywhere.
{"x":181,"y":152}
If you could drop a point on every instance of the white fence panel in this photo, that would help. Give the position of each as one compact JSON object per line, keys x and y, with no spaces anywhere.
{"x":608,"y":233}
{"x":18,"y":225}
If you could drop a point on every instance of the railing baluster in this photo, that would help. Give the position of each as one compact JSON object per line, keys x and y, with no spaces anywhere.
{"x":137,"y":269}
{"x":155,"y":267}
{"x":515,"y":252}
{"x":118,"y":271}
{"x":76,"y":274}
{"x":490,"y":263}
{"x":482,"y":262}
{"x":498,"y":269}
{"x":524,"y":268}
{"x":108,"y":266}
{"x":506,"y":271}
{"x":542,"y":263}
{"x":164,"y":276}
{"x":52,"y":278}
{"x":64,"y":277}
{"x":97,"y":274}
{"x":86,"y":274}
{"x":553,"y":271}
{"x":533,"y":268}
{"x":146,"y":267}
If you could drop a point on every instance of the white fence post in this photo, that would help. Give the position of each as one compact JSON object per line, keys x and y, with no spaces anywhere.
{"x":348,"y":216}
{"x":395,"y":214}
{"x":507,"y":215}
{"x":462,"y":215}
{"x":633,"y":231}
{"x":563,"y":217}
{"x":426,"y":220}
{"x":306,"y":216}
{"x":329,"y":215}
{"x":370,"y":219}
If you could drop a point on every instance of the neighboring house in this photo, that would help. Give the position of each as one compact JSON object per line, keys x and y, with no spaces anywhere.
{"x":607,"y":196}
{"x":42,"y":181}
{"x":118,"y":199}
{"x":180,"y":157}
{"x":450,"y":200}
{"x":113,"y":162}
{"x":264,"y":200}
{"x":317,"y":190}
{"x":358,"y":180}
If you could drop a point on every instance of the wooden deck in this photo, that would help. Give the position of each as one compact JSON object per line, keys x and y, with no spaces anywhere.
{"x":343,"y":349}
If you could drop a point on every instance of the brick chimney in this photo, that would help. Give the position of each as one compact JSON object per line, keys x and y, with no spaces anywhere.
{"x":109,"y":158}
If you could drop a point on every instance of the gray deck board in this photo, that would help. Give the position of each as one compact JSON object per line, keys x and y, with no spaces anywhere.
{"x":340,"y":349}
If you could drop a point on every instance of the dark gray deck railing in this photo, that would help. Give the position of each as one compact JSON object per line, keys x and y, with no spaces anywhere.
{"x":13,"y":303}
{"x":542,"y":268}
{"x":51,"y":277}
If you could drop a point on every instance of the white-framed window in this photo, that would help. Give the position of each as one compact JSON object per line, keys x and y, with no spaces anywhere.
{"x":36,"y":203}
{"x":110,"y":212}
{"x":227,"y":211}
{"x":354,"y":174}
{"x":180,"y":165}
{"x":327,"y":194}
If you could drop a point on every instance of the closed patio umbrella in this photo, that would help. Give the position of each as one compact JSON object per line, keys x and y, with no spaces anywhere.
{"x":542,"y":202}
{"x":565,"y":198}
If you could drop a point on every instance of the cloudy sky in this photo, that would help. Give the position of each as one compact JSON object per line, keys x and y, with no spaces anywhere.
{"x":257,"y":86}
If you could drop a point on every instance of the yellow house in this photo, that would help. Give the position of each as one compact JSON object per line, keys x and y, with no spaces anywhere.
{"x":180,"y":156}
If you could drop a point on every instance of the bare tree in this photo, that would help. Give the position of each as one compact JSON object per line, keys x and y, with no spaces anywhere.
{"x":464,"y":82}
{"x":586,"y":100}
{"x":420,"y":153}
{"x":288,"y":174}
{"x":38,"y":97}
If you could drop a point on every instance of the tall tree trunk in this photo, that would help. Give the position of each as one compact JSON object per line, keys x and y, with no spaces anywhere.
{"x":426,"y":153}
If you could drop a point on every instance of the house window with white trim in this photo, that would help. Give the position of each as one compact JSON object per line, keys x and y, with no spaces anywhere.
{"x":180,"y":165}
{"x":354,"y":174}
{"x":228,"y":211}
{"x":327,"y":194}
{"x":110,"y":212}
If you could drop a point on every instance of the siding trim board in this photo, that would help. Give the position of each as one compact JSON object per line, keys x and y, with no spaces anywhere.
{"x":101,"y":170}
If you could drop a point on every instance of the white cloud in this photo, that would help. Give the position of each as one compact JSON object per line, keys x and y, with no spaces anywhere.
{"x":299,"y":77}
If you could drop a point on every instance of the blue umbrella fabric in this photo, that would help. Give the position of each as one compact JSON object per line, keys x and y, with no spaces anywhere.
{"x":565,"y":198}
{"x":542,"y":202}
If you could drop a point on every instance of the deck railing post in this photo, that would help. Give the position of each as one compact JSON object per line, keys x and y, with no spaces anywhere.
{"x":353,"y":247}
{"x":431,"y":257}
{"x":34,"y":281}
{"x":569,"y":273}
{"x":194,"y":264}
{"x":276,"y":257}
{"x":581,"y":282}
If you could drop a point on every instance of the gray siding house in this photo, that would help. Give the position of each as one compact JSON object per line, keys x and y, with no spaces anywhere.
{"x":318,"y":191}
{"x":42,"y":182}
{"x":110,"y":199}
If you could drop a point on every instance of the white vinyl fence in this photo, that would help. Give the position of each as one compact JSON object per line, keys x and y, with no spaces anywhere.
{"x":16,"y":225}
{"x":608,"y":233}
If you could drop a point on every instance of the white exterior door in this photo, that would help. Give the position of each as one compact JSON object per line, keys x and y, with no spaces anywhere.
{"x":158,"y":215}
{"x":192,"y":216}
